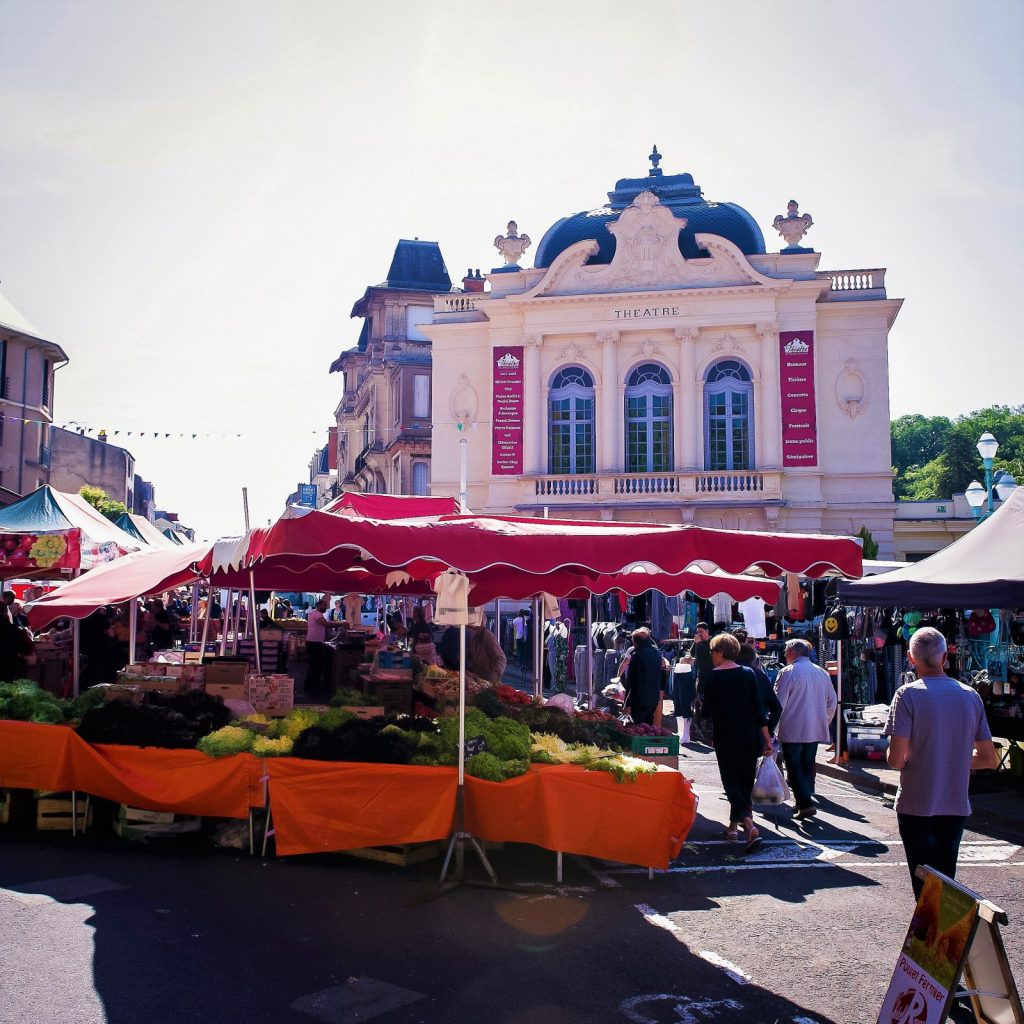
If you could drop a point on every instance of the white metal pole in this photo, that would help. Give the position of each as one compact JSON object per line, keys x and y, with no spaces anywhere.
{"x":462,"y":707}
{"x":497,"y":620}
{"x":589,"y":620}
{"x":76,"y":654}
{"x":245,"y":507}
{"x":206,"y":625}
{"x":463,"y":472}
{"x":254,"y":616}
{"x":225,"y":619}
{"x":538,"y":639}
{"x":193,"y":619}
{"x":839,"y":704}
{"x":133,"y":626}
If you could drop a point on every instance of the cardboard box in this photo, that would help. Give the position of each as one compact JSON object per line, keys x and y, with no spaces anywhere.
{"x":165,"y":684}
{"x":145,"y":817}
{"x":137,"y":824}
{"x":364,"y":712}
{"x":229,"y":691}
{"x":222,"y":671}
{"x":125,"y":691}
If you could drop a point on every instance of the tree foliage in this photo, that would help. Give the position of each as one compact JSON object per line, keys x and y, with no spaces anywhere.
{"x":102,"y":502}
{"x":935,"y":457}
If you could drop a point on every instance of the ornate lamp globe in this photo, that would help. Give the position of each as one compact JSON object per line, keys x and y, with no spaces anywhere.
{"x":987,"y":446}
{"x":1006,"y":486}
{"x":975,"y":494}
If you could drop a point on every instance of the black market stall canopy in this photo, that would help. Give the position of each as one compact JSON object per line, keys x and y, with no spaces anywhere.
{"x":984,"y":569}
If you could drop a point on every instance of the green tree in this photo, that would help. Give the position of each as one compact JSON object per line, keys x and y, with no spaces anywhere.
{"x":870,"y":548}
{"x":102,"y":502}
{"x":935,"y":457}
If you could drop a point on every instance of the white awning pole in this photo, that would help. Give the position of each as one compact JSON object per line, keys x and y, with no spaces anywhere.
{"x":133,"y":626}
{"x":255,"y":619}
{"x":589,"y":620}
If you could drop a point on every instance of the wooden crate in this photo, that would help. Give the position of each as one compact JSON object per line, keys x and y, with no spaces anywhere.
{"x":53,"y":813}
{"x":402,"y":855}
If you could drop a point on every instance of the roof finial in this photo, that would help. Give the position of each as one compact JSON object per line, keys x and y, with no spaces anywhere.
{"x":655,"y":158}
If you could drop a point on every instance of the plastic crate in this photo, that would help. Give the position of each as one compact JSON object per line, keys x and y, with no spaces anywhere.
{"x":666,"y":746}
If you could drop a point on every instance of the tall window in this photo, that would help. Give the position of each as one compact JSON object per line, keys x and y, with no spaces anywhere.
{"x":728,"y":417}
{"x":571,"y":422}
{"x":649,"y":420}
{"x":46,"y":384}
{"x":420,"y":472}
{"x":421,"y":396}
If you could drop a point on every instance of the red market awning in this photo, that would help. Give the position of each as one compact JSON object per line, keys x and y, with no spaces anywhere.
{"x":134,"y":575}
{"x":472,"y":544}
{"x":391,"y":506}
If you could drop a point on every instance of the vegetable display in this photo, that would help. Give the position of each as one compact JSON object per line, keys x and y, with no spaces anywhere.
{"x":24,"y":701}
{"x":161,"y":720}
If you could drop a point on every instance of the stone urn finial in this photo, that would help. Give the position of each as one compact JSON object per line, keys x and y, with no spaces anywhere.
{"x":513,"y":245}
{"x":794,"y":225}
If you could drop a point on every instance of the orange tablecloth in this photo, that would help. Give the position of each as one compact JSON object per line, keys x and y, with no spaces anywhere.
{"x":325,"y":805}
{"x":566,"y":808}
{"x":186,"y":781}
{"x":321,"y":805}
{"x":36,"y":756}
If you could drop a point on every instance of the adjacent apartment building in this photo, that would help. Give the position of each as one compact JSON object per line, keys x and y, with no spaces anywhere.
{"x":384,"y":416}
{"x":27,"y":365}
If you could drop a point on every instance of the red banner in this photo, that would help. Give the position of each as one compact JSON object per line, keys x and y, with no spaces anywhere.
{"x":507,"y":413}
{"x":799,"y":412}
{"x":29,"y":552}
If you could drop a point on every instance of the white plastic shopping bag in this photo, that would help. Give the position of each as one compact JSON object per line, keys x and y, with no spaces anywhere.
{"x":769,"y":785}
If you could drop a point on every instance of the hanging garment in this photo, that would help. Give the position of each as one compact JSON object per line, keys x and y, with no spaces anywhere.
{"x":690,"y":618}
{"x":794,"y":597}
{"x":452,"y":589}
{"x":752,"y":611}
{"x":353,"y":609}
{"x":723,"y":607}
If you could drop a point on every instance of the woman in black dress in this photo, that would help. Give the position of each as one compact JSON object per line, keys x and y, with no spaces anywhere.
{"x":733,"y":702}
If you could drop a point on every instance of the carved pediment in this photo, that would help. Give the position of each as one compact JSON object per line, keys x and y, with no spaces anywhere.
{"x":647,"y":258}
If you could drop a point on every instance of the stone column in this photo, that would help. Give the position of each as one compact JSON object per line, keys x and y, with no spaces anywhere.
{"x":685,"y":417}
{"x":611,"y":420}
{"x":768,"y":444}
{"x":535,"y":400}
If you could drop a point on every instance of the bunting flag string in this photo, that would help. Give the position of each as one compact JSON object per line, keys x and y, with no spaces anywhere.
{"x":96,"y":432}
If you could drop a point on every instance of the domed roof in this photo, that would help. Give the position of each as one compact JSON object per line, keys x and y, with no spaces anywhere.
{"x":679,"y":194}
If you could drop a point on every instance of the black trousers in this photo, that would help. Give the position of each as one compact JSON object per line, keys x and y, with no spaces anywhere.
{"x":737,"y":765}
{"x":315,"y":678}
{"x":933,"y":840}
{"x":643,"y":715}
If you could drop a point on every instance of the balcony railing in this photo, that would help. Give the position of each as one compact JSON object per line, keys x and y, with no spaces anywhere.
{"x":749,"y":485}
{"x":458,"y":306}
{"x":855,"y":284}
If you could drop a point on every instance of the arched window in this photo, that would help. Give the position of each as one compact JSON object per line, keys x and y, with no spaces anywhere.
{"x":728,"y":417}
{"x":571,"y":422}
{"x":420,"y":475}
{"x":649,"y":420}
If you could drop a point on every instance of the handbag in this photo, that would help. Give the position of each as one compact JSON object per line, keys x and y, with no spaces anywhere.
{"x":980,"y":623}
{"x":835,"y":625}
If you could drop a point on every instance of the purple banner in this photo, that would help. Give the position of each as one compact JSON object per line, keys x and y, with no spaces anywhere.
{"x":799,"y":411}
{"x":507,"y":414}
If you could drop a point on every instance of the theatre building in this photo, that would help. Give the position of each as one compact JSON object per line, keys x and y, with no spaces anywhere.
{"x":657,"y":364}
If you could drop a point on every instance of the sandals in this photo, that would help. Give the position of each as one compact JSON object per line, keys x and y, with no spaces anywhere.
{"x":753,"y":840}
{"x":731,"y":834}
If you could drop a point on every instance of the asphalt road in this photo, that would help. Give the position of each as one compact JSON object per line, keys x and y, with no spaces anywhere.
{"x":805,"y":931}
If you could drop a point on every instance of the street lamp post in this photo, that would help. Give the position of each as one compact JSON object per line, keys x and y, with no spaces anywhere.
{"x":976,"y":495}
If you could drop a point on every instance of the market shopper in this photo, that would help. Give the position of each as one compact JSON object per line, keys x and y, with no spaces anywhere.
{"x":733,"y":702}
{"x":644,"y":679}
{"x":748,"y":658}
{"x":420,"y":632}
{"x":809,"y":703}
{"x":938,"y":735}
{"x":519,"y":631}
{"x":316,"y":647}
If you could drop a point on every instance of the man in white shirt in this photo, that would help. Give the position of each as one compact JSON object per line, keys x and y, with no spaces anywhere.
{"x":808,"y":706}
{"x":519,"y":630}
{"x":316,"y":648}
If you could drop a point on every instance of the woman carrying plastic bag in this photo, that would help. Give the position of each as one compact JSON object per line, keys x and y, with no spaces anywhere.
{"x":769,"y":785}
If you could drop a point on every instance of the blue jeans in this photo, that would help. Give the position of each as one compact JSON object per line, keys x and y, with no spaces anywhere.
{"x":799,"y":758}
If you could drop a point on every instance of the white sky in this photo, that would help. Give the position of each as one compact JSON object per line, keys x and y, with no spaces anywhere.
{"x":193,"y":193}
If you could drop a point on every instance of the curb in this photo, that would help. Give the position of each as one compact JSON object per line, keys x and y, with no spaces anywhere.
{"x":861,"y":781}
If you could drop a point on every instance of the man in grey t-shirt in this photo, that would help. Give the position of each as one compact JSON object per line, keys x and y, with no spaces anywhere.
{"x":938,"y":735}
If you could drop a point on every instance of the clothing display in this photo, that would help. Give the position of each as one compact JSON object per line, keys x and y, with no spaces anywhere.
{"x":722,"y":604}
{"x":752,"y":611}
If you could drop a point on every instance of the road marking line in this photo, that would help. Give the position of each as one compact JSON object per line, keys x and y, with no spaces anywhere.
{"x":696,"y":869}
{"x":604,"y":879}
{"x":651,"y":916}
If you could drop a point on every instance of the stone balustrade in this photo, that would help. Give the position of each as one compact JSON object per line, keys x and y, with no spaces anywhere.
{"x":611,"y":488}
{"x":855,"y":284}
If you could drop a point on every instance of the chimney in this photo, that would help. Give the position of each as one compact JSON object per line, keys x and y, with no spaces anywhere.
{"x":471,"y":283}
{"x":101,"y":436}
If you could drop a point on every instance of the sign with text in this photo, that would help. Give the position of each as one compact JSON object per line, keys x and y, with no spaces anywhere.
{"x":799,"y":411}
{"x":507,"y":413}
{"x":307,"y":495}
{"x":24,"y":552}
{"x":933,"y":954}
